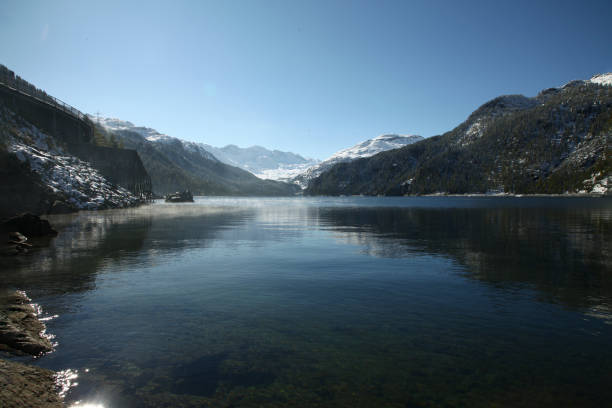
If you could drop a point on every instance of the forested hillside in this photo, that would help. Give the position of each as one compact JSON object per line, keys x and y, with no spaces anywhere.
{"x":556,"y":142}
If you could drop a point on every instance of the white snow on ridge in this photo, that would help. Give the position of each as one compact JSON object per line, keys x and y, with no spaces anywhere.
{"x":599,"y":79}
{"x":371,"y":147}
{"x":283,"y":172}
{"x":114,"y":124}
{"x":602,"y":79}
{"x":364,"y":149}
{"x":263,"y":163}
{"x":152,"y":135}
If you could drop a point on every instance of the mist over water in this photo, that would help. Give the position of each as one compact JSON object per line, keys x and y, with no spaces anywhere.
{"x":439,"y":301}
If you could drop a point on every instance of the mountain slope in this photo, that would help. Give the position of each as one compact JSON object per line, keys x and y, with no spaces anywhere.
{"x":364,"y":149}
{"x":556,"y":142}
{"x":176,"y":164}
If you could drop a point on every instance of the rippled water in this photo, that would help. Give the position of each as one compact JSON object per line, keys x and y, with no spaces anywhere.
{"x":347,"y":302}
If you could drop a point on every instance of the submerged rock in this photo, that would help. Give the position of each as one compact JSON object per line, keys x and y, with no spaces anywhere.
{"x":26,"y":386}
{"x":21,"y":332}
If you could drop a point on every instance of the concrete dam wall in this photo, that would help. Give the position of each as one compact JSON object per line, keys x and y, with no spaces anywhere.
{"x":122,"y":167}
{"x":74,"y":131}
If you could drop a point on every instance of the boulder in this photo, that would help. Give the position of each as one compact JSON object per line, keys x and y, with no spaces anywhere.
{"x":29,"y":225}
{"x":184,"y":197}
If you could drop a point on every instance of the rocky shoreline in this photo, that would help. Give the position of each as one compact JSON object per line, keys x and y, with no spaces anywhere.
{"x":22,"y":333}
{"x":26,"y":386}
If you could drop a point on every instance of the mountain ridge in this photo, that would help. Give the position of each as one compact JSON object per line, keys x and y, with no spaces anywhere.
{"x":363,"y":149}
{"x":556,"y":142}
{"x":176,"y":164}
{"x":258,"y":160}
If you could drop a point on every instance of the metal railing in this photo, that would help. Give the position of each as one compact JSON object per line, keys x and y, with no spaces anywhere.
{"x":10,"y":80}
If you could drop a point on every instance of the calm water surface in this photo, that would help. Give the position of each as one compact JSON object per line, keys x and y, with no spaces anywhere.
{"x":344,"y":302}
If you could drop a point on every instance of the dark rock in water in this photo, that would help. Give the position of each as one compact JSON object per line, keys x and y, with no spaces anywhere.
{"x":29,"y":224}
{"x":184,"y":197}
{"x":26,"y":386}
{"x":17,"y":238}
{"x":61,"y":207}
{"x":20,"y":329}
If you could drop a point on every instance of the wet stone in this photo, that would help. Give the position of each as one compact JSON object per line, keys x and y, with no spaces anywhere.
{"x":20,"y":329}
{"x":26,"y":386}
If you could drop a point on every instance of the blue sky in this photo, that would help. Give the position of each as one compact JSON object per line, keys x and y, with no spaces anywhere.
{"x":310,"y":77}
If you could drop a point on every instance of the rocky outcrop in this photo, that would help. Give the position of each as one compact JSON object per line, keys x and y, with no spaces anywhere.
{"x":13,"y":239}
{"x":27,"y":386}
{"x":20,"y":330}
{"x":184,"y":197}
{"x":29,"y":224}
{"x":37,"y":171}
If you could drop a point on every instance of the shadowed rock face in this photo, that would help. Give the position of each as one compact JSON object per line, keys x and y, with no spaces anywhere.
{"x":26,"y":386}
{"x":21,"y":189}
{"x":29,"y":225}
{"x":20,"y":329}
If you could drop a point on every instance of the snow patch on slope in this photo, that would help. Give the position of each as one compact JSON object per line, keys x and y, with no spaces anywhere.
{"x":262,"y":162}
{"x":364,"y":149}
{"x":81,"y":185}
{"x":602,"y":79}
{"x":373,"y":146}
{"x":151,"y":135}
{"x":283,"y":172}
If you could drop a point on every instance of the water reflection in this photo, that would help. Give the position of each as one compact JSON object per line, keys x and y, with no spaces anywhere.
{"x":327,"y":302}
{"x":564,"y":253}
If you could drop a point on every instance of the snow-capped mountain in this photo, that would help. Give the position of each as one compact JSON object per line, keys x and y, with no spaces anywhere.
{"x":367,"y":148}
{"x":175,"y":164}
{"x":556,"y":142}
{"x":262,"y":162}
{"x":373,"y":146}
{"x":602,"y":79}
{"x":151,"y":135}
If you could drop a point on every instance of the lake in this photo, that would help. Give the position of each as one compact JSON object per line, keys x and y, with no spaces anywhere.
{"x":331,"y":302}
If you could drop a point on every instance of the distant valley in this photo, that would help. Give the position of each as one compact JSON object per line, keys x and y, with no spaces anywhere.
{"x":176,"y":164}
{"x":262,"y":162}
{"x":557,"y":142}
